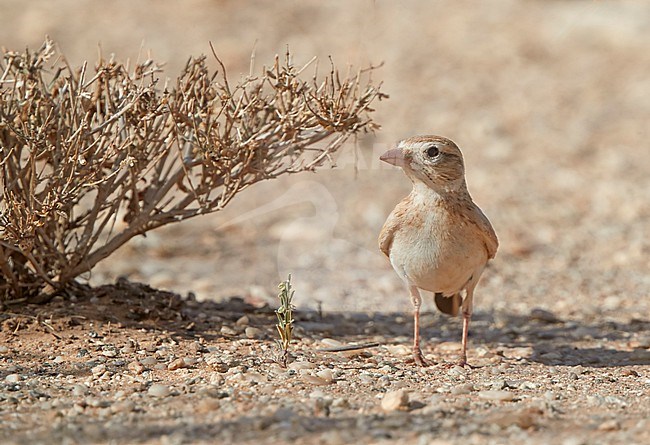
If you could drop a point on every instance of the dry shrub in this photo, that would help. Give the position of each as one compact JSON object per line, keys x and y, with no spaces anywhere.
{"x":90,"y":160}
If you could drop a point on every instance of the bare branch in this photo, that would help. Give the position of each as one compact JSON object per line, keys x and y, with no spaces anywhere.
{"x":90,"y":160}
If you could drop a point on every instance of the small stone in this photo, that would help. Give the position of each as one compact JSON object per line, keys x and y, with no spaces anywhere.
{"x":58,"y":359}
{"x":110,"y":353}
{"x":176,"y":364}
{"x":98,"y":370}
{"x":524,"y":418}
{"x":252,"y":332}
{"x":462,"y":389}
{"x":457,"y":371}
{"x":326,"y":375}
{"x":136,"y":367}
{"x":297,"y":366}
{"x":3,"y":349}
{"x":395,"y":400}
{"x":609,"y":425}
{"x":315,"y":380}
{"x":12,"y":378}
{"x":158,"y":390}
{"x":243,"y":321}
{"x":341,"y":403}
{"x":543,"y":315}
{"x":207,"y":406}
{"x":124,"y":406}
{"x":399,"y":350}
{"x":366,"y":378}
{"x":256,"y":377}
{"x":79,"y":390}
{"x":149,"y":361}
{"x":527,"y":385}
{"x":501,"y":396}
{"x":331,"y":343}
{"x":517,"y":353}
{"x":228,"y":331}
{"x":190,"y":361}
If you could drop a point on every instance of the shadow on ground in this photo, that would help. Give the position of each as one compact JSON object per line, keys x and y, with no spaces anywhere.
{"x":552,"y":341}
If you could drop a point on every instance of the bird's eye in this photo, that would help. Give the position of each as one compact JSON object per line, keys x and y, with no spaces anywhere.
{"x":433,"y":151}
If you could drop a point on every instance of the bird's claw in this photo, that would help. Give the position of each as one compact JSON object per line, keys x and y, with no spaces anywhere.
{"x":419,"y":359}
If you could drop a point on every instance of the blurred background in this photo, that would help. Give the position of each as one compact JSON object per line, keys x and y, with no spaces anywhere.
{"x":549,"y":100}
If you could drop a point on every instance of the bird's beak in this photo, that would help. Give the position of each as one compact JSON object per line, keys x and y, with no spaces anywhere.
{"x":394,"y":157}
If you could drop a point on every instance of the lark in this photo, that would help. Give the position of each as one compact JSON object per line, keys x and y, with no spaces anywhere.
{"x":436,"y":238}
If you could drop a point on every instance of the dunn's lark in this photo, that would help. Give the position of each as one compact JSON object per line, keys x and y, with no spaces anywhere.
{"x":437,"y":239}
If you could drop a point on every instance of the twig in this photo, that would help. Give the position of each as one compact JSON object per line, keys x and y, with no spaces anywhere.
{"x":349,"y":347}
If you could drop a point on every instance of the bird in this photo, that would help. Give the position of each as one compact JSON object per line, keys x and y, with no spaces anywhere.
{"x":437,"y":239}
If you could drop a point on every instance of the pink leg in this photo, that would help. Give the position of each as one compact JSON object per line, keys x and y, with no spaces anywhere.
{"x":463,"y":353}
{"x":467,"y":315}
{"x":417,"y":302}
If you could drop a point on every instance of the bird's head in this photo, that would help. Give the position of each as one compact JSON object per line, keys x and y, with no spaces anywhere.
{"x":432,"y":160}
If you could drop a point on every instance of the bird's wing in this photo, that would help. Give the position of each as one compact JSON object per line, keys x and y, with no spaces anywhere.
{"x":387,"y":234}
{"x":392,"y":224}
{"x":478,"y":218}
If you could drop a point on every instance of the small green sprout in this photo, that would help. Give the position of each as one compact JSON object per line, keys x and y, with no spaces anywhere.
{"x":285,"y":318}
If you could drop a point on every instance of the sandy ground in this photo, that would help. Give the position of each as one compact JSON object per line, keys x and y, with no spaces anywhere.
{"x":550,"y":102}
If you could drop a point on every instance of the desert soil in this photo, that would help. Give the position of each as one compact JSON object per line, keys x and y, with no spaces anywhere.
{"x":550,"y":102}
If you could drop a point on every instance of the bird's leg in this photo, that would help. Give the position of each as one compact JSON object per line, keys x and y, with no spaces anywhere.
{"x":462,"y":361}
{"x":417,"y":302}
{"x":467,"y":315}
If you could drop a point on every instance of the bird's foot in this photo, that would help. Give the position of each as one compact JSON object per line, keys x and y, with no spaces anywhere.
{"x":419,"y":359}
{"x":462,"y":362}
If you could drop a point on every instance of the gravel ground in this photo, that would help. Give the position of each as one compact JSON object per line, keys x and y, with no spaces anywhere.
{"x":158,"y":368}
{"x":550,"y":102}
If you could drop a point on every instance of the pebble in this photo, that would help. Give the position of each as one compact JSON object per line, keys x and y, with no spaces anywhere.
{"x":243,"y":321}
{"x":110,"y":353}
{"x":609,"y":425}
{"x":149,"y":361}
{"x":297,"y":366}
{"x":177,"y":364}
{"x":136,"y":367}
{"x":326,"y":375}
{"x":158,"y":390}
{"x":315,"y":380}
{"x":395,"y":400}
{"x":207,"y":406}
{"x":341,"y":402}
{"x":125,"y":406}
{"x":98,"y":370}
{"x":517,"y":353}
{"x":462,"y":389}
{"x":544,"y":315}
{"x":457,"y":371}
{"x":366,"y":378}
{"x":524,"y":418}
{"x":58,"y":359}
{"x":502,"y":396}
{"x":79,"y":390}
{"x":331,"y":343}
{"x":12,"y":378}
{"x":252,"y":332}
{"x":3,"y":349}
{"x":227,"y":330}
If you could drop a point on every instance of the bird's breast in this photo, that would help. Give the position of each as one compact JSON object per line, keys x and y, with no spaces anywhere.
{"x":437,"y":252}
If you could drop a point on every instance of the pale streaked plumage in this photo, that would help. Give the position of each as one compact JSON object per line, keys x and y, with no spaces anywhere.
{"x":437,"y":239}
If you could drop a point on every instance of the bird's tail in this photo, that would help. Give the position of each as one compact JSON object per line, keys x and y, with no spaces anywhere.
{"x":448,"y":305}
